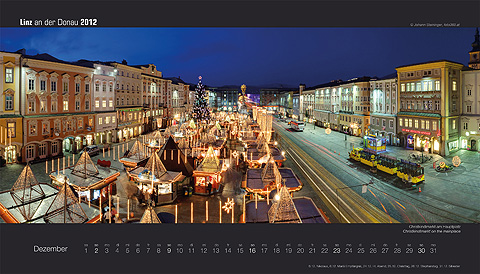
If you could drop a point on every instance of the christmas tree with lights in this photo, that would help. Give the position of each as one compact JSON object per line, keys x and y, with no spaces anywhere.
{"x":200,"y":111}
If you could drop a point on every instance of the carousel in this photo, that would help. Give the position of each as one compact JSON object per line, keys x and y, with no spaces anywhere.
{"x":262,"y":181}
{"x":283,"y":208}
{"x":208,"y":174}
{"x":155,"y":182}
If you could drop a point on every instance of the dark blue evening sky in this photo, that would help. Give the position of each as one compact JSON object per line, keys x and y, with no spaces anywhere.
{"x":254,"y":56}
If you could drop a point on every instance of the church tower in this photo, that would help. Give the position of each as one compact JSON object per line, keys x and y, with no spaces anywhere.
{"x":474,"y":62}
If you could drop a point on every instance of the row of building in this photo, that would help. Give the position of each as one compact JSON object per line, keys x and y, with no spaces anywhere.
{"x":432,"y":106}
{"x":50,"y":107}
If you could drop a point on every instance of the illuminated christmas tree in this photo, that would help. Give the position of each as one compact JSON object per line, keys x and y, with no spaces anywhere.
{"x":200,"y":111}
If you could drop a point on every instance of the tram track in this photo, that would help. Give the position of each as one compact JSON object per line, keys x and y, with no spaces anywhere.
{"x":349,"y":202}
{"x":395,"y":193}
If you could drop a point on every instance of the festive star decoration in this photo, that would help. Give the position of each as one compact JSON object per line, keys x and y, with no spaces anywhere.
{"x":228,"y":205}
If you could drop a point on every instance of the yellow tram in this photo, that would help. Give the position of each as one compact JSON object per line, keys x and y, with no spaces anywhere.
{"x":409,"y":172}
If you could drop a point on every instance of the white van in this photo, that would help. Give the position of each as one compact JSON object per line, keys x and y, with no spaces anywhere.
{"x":297,"y":125}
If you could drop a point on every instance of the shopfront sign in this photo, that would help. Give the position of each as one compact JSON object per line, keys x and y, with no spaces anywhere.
{"x":416,"y":131}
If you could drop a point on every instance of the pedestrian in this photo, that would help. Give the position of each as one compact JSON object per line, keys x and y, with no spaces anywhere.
{"x":209,"y":188}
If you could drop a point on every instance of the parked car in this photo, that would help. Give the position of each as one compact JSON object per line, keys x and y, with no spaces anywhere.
{"x":92,"y":150}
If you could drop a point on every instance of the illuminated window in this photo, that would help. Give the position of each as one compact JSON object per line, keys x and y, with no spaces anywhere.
{"x":11,"y":129}
{"x":409,"y":122}
{"x":454,"y":124}
{"x":400,"y":122}
{"x":97,"y":103}
{"x":43,"y":105}
{"x":8,"y":75}
{"x":425,"y":85}
{"x":437,"y":85}
{"x":100,"y":120}
{"x":31,"y":106}
{"x":113,"y":119}
{"x":434,"y":125}
{"x":33,"y":129}
{"x":402,"y":87}
{"x":454,"y":85}
{"x":110,"y":103}
{"x":419,"y":86}
{"x":427,"y":125}
{"x":65,"y":105}
{"x":45,"y":128}
{"x":422,"y":124}
{"x":104,"y":103}
{"x":416,"y":123}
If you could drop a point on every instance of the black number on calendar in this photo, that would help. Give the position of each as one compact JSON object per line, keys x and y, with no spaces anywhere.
{"x":96,"y":250}
{"x":421,"y":250}
{"x":203,"y":250}
{"x":336,"y":250}
{"x":169,"y":250}
{"x":127,"y":250}
{"x":276,"y":250}
{"x":106,"y":250}
{"x":253,"y":250}
{"x":159,"y":250}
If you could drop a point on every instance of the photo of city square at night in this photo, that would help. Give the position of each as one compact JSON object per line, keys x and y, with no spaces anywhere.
{"x":240,"y":125}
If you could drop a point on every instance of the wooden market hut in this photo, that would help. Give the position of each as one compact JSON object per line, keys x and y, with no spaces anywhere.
{"x":137,"y":156}
{"x":156,"y":182}
{"x":86,"y":178}
{"x":208,"y":174}
{"x":150,"y":217}
{"x":29,"y":201}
